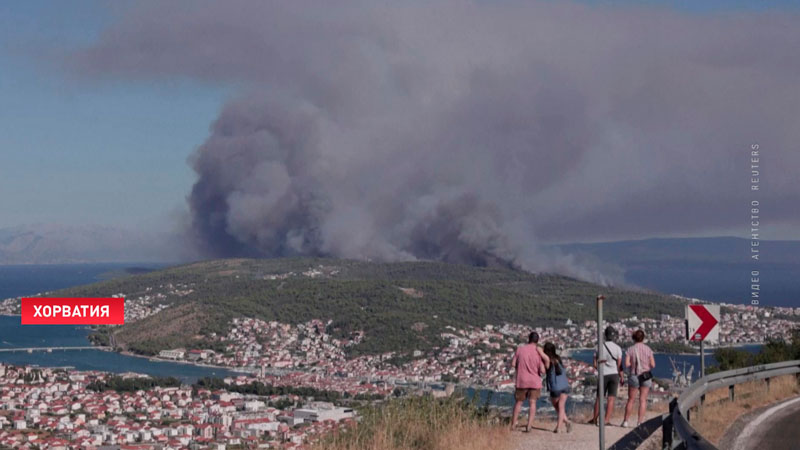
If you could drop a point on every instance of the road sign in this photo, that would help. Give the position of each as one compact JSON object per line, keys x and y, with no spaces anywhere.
{"x":702,"y":323}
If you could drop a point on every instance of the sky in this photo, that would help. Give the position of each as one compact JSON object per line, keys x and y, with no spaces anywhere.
{"x":450,"y":129}
{"x":78,"y":151}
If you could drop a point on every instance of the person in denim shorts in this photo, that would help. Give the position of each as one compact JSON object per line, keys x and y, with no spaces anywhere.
{"x":558,"y":385}
{"x":639,"y":360}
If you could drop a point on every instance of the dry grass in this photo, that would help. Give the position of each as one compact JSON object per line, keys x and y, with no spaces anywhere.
{"x":421,"y":423}
{"x":719,"y":413}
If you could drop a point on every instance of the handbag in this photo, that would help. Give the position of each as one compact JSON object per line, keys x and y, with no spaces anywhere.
{"x":557,"y":383}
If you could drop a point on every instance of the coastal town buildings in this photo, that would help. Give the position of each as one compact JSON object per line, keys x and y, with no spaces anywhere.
{"x":55,"y":408}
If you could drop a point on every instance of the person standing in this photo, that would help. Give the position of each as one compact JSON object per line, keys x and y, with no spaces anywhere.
{"x":639,"y":361}
{"x":529,"y":363}
{"x":558,"y":385}
{"x":611,"y":358}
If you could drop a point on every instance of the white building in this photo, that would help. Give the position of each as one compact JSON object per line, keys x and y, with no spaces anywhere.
{"x":177,"y":353}
{"x":321,"y":411}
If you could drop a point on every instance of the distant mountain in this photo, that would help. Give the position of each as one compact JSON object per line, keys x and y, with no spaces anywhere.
{"x":59,"y":244}
{"x":399,"y":306}
{"x":715,"y":269}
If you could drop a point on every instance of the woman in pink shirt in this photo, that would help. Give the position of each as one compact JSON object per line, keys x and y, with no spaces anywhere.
{"x":529,"y":363}
{"x":639,"y":361}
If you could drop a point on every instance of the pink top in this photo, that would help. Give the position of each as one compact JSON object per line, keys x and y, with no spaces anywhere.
{"x":528,"y":363}
{"x":644,"y":354}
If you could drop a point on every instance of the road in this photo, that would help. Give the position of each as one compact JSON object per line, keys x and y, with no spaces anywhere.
{"x":774,"y":429}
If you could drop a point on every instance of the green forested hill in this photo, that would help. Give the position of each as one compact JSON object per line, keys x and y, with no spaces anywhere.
{"x":398,"y":305}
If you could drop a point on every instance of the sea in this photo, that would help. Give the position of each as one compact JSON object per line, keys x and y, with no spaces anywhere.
{"x":16,"y":281}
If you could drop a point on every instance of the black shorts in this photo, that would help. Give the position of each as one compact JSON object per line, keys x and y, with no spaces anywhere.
{"x":610,"y":385}
{"x":556,"y":394}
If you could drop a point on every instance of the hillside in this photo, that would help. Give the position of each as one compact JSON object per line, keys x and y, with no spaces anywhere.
{"x":399,"y":306}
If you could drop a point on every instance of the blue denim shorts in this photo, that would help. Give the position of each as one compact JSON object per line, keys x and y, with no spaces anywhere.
{"x":633,"y":381}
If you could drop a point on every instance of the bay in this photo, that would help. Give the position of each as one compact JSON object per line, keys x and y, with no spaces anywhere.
{"x":16,"y":281}
{"x":30,"y":279}
{"x":663,"y":367}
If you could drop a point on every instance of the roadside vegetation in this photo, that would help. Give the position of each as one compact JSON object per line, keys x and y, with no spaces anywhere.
{"x":719,"y":413}
{"x":775,"y":350}
{"x":421,"y":423}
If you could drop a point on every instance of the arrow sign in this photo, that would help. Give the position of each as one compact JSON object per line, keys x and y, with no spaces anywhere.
{"x":703,"y":321}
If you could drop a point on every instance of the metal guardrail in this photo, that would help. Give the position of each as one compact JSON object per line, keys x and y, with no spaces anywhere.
{"x":682,"y":435}
{"x":678,"y":433}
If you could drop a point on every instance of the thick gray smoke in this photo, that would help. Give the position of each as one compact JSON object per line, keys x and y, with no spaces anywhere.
{"x":461,"y":131}
{"x":280,"y":177}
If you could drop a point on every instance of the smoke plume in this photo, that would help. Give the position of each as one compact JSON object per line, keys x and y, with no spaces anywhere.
{"x":467,"y":131}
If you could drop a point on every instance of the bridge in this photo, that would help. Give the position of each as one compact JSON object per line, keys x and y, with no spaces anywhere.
{"x":52,"y":349}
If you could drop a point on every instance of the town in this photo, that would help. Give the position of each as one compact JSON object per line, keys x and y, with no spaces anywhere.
{"x":306,"y":355}
{"x":59,"y":409}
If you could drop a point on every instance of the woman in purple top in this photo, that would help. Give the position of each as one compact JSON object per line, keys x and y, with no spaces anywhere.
{"x":529,"y":362}
{"x":639,"y":361}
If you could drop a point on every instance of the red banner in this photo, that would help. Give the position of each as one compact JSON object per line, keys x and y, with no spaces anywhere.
{"x":73,"y":311}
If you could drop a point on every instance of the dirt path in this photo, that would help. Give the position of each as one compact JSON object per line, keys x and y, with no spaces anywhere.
{"x":583,"y":437}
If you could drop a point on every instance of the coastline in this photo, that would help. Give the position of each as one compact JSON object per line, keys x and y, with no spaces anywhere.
{"x":241,"y":370}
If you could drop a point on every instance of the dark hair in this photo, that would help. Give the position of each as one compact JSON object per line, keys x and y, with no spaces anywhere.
{"x":611,"y":333}
{"x":555,"y":360}
{"x":533,"y":338}
{"x":638,"y":336}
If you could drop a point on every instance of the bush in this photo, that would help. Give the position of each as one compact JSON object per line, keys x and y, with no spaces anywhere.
{"x":775,"y":350}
